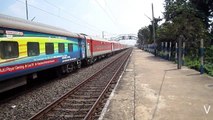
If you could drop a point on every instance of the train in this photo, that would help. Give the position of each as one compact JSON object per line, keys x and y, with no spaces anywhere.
{"x":27,"y":48}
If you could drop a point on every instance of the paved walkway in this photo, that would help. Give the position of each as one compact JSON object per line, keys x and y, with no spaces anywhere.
{"x":153,"y":89}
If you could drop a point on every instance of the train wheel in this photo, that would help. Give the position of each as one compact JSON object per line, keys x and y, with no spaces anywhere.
{"x":89,"y":61}
{"x":69,"y":68}
{"x":79,"y":65}
{"x":63,"y":69}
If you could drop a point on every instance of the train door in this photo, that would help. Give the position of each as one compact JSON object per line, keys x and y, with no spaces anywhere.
{"x":89,"y":48}
{"x":82,"y":50}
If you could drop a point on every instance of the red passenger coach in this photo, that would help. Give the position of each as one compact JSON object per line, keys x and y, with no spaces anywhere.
{"x":116,"y":46}
{"x":97,"y":48}
{"x":101,"y":47}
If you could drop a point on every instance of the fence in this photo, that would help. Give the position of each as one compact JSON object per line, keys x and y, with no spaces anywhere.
{"x":191,"y":58}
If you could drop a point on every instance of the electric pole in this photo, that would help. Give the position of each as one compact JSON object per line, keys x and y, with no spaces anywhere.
{"x":201,"y":56}
{"x":180,"y":52}
{"x":26,"y":9}
{"x":102,"y":34}
{"x":153,"y":26}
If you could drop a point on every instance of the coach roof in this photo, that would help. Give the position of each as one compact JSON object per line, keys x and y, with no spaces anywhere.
{"x":18,"y":23}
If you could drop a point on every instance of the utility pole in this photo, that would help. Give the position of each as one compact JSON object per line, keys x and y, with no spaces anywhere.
{"x":201,"y":56}
{"x":26,"y":9}
{"x":153,"y":25}
{"x":180,"y":52}
{"x":102,"y":34}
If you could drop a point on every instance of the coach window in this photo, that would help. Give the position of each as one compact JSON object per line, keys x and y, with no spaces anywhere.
{"x":49,"y":48}
{"x":9,"y":49}
{"x":70,"y":47}
{"x":61,"y":48}
{"x":33,"y":49}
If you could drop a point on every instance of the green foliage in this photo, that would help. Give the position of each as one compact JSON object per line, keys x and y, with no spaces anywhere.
{"x":204,"y":10}
{"x":208,"y":54}
{"x":208,"y":60}
{"x":166,"y":32}
{"x":144,"y":36}
{"x":183,"y":20}
{"x":193,"y":63}
{"x":208,"y":68}
{"x":192,"y":20}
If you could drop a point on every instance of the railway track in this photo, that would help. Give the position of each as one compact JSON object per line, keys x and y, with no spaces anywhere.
{"x":87,"y":99}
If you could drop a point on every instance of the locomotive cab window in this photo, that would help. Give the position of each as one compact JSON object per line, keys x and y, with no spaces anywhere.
{"x":70,"y":47}
{"x":49,"y":48}
{"x":33,"y":49}
{"x":9,"y":50}
{"x":61,"y":48}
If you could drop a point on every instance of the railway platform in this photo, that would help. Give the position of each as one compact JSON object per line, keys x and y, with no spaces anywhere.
{"x":154,"y":89}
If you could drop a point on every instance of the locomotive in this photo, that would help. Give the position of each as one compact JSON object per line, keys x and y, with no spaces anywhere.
{"x":27,"y":48}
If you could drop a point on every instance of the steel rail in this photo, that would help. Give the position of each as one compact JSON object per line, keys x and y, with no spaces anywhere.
{"x":101,"y":97}
{"x":59,"y":100}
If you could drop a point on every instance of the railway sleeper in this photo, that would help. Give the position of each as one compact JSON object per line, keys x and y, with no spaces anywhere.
{"x":91,"y":91}
{"x":72,"y":110}
{"x":75,"y":105}
{"x":52,"y":116}
{"x":110,"y":89}
{"x":96,"y":117}
{"x":59,"y":116}
{"x":94,"y":86}
{"x":81,"y":100}
{"x":83,"y":96}
{"x":106,"y":95}
{"x":73,"y":113}
{"x":88,"y":93}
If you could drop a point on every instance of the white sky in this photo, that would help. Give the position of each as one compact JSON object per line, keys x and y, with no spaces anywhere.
{"x":88,"y":16}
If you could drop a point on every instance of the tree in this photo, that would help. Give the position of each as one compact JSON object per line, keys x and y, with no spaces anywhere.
{"x":166,"y":32}
{"x":144,"y":36}
{"x":183,"y":16}
{"x":204,"y":10}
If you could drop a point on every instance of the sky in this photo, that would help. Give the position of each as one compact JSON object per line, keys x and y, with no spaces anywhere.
{"x":91,"y":17}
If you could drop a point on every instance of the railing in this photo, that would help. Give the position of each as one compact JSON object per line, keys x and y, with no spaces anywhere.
{"x":169,"y":51}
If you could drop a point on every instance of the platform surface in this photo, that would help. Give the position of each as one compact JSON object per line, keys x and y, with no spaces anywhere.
{"x":154,"y":89}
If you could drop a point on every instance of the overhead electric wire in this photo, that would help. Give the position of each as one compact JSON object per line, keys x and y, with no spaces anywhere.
{"x":51,"y":4}
{"x":112,"y":16}
{"x":78,"y":17}
{"x":59,"y":16}
{"x":105,"y":11}
{"x":85,"y":22}
{"x":111,"y":12}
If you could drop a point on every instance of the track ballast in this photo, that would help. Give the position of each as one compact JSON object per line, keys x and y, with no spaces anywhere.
{"x":86,"y":100}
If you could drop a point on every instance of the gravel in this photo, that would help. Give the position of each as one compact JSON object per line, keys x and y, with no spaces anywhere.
{"x":93,"y":88}
{"x":26,"y":105}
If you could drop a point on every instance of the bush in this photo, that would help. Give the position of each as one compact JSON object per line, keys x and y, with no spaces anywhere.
{"x":193,"y":63}
{"x":208,"y":68}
